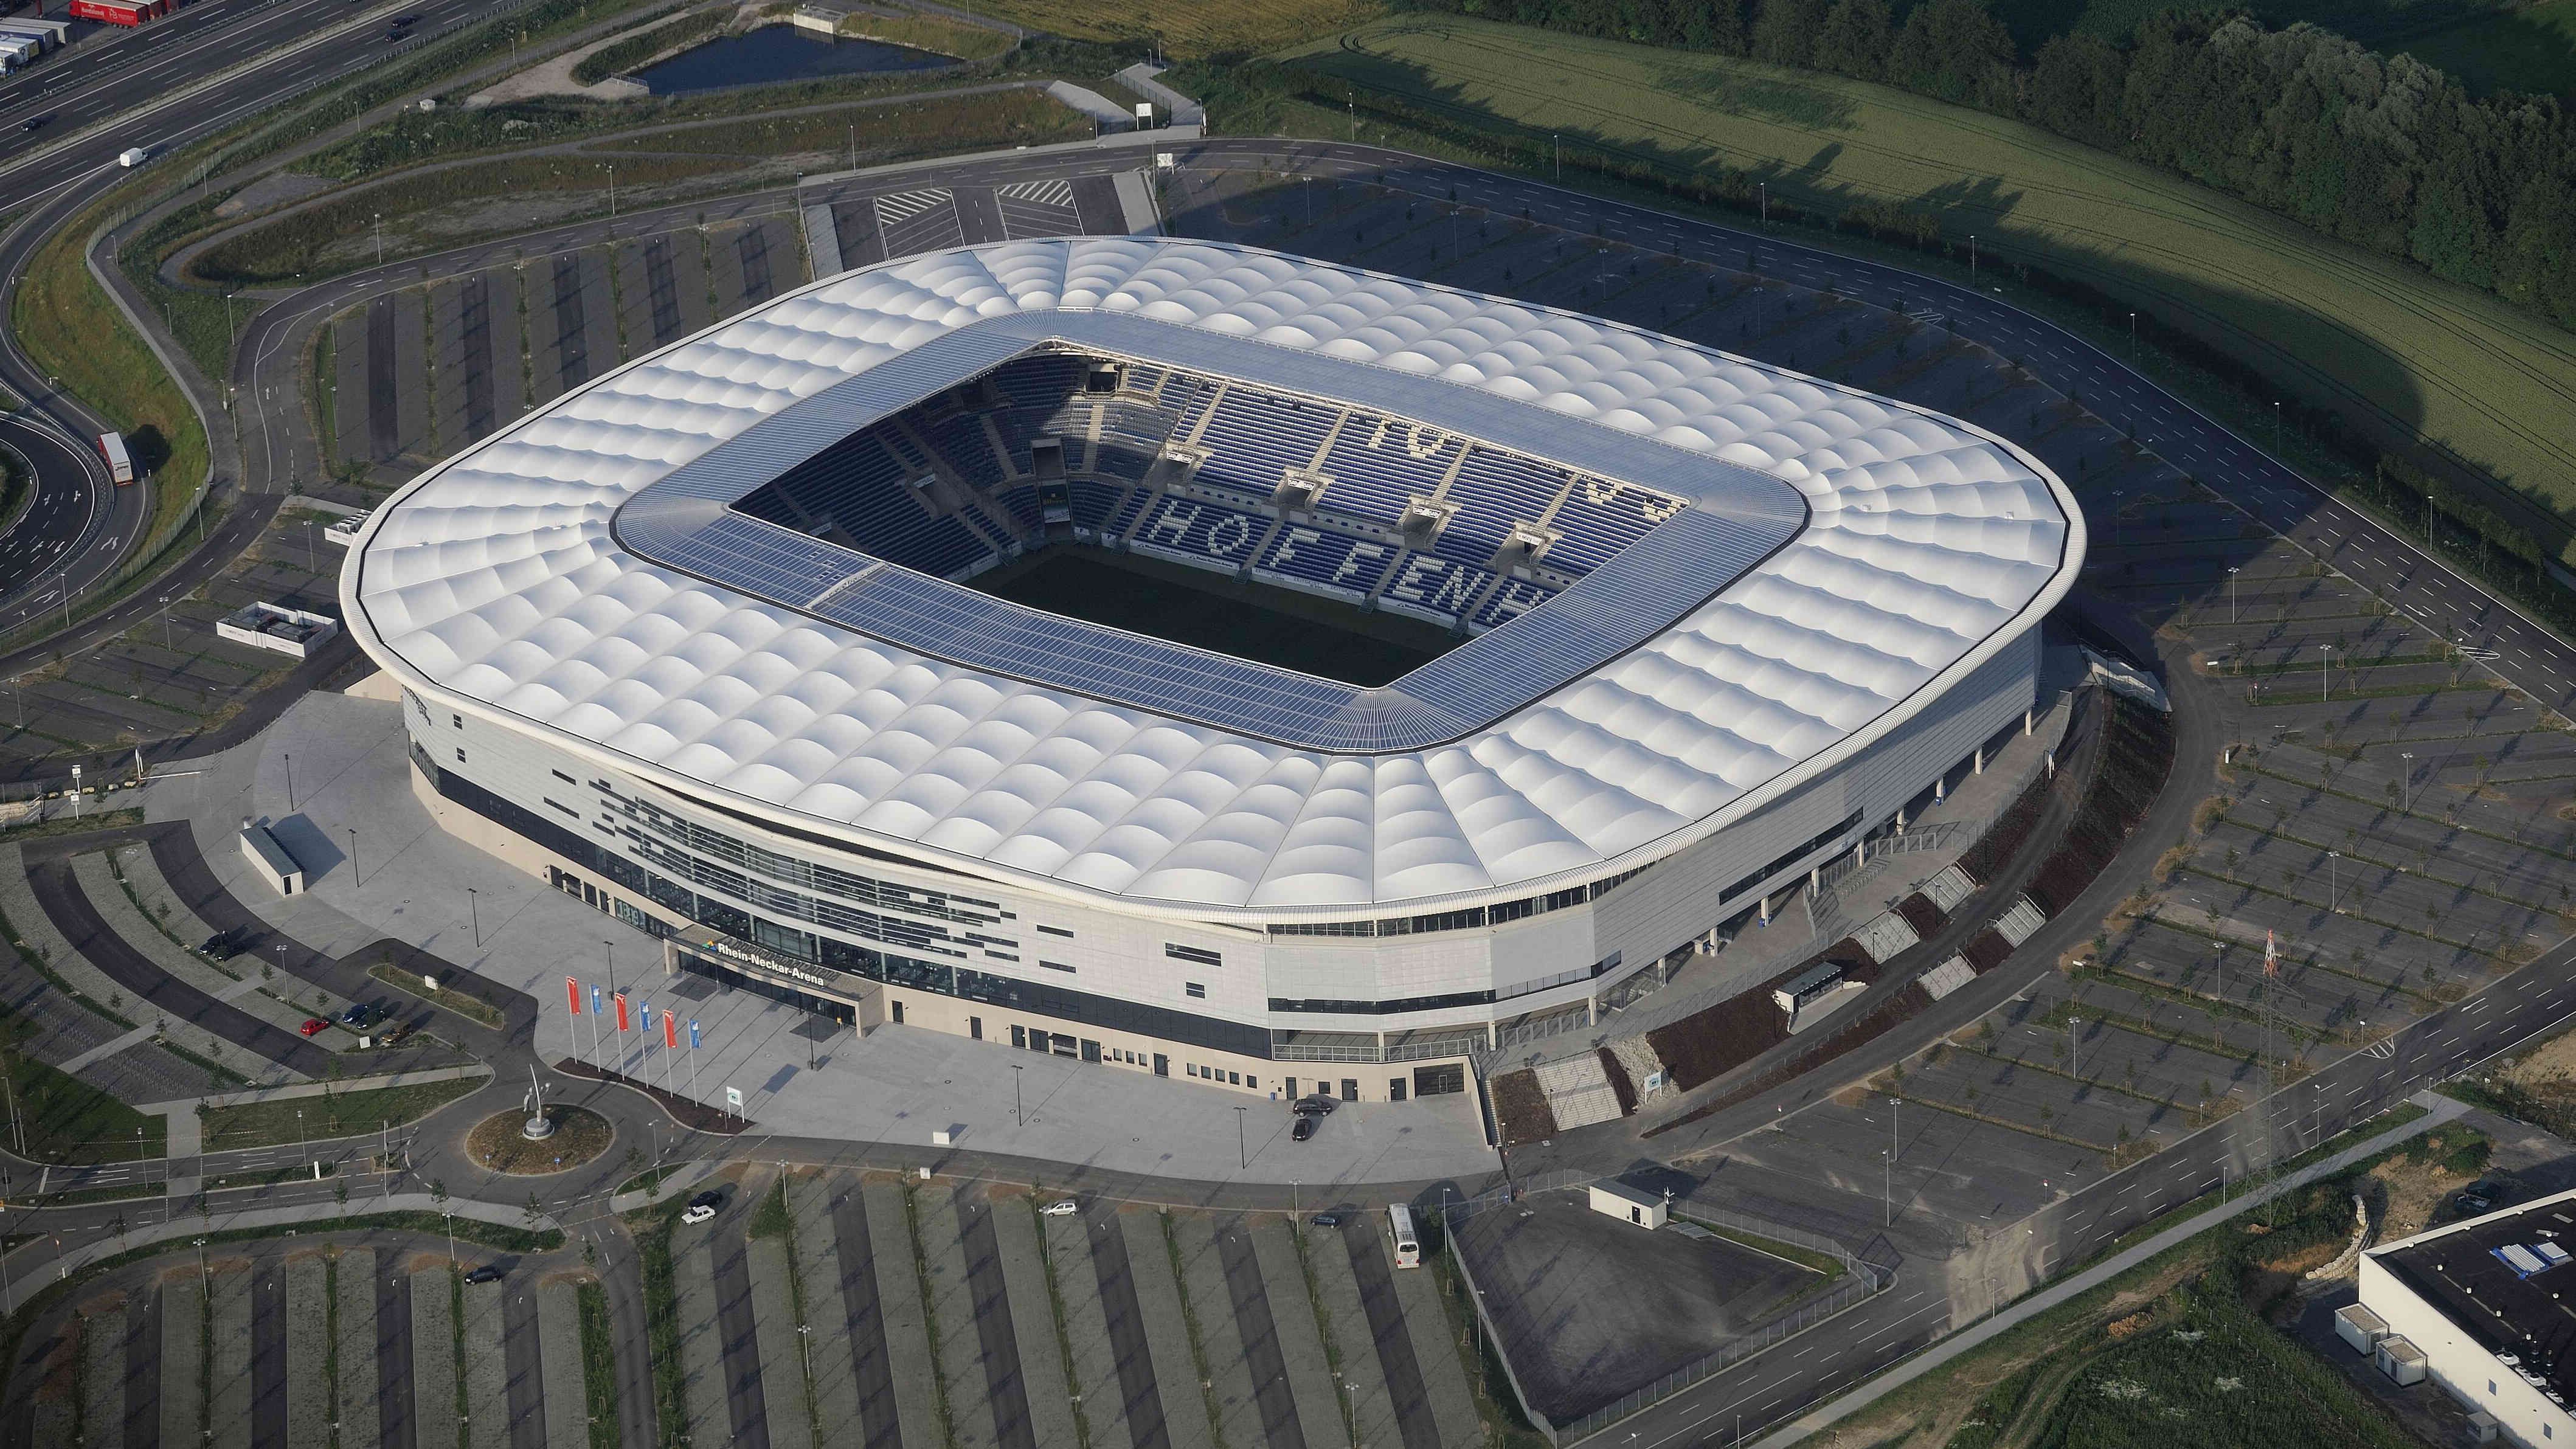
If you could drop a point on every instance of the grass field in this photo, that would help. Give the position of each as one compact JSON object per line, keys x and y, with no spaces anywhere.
{"x":67,"y":325}
{"x":934,"y":33}
{"x":2530,"y":49}
{"x":1171,"y":602}
{"x":341,"y":1114}
{"x":1188,"y":29}
{"x":2385,"y":345}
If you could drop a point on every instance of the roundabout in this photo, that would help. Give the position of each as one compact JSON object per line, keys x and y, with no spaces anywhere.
{"x":511,"y":1141}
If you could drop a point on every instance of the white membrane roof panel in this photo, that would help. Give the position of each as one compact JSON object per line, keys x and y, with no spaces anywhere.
{"x":498,"y":582}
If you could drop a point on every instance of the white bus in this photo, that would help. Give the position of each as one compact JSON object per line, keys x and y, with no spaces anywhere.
{"x":120,"y":466}
{"x":1399,"y":1224}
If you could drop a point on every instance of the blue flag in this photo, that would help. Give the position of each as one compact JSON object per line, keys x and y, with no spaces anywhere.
{"x":693,"y":1033}
{"x":594,"y":1001}
{"x":648,"y":1016}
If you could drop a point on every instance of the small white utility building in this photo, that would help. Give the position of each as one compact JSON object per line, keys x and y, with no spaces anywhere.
{"x":1629,"y":1204}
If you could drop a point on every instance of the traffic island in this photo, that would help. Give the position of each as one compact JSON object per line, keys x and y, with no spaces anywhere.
{"x":501,"y":1142}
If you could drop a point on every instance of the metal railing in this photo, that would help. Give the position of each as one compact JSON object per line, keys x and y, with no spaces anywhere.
{"x":1867,"y":1279}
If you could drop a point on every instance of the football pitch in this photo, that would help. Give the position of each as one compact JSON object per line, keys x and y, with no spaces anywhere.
{"x":1222,"y":615}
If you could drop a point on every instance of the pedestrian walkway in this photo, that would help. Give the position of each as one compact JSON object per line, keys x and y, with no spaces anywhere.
{"x":2439,"y":1110}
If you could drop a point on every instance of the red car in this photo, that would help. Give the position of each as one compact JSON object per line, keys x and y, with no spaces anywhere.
{"x":312,"y":1024}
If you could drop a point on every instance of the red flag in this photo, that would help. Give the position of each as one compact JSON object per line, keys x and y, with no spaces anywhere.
{"x":572,"y":995}
{"x":671,"y":1031}
{"x":621,"y":1011}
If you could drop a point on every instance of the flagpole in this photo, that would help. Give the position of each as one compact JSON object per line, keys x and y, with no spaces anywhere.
{"x":693,"y":1065}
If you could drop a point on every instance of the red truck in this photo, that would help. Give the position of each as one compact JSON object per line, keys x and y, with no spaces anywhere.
{"x":119,"y":12}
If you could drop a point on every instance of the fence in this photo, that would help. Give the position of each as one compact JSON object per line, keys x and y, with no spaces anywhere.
{"x":1867,"y":1279}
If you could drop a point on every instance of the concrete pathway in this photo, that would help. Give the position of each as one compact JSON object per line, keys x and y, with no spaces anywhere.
{"x":2440,"y":1110}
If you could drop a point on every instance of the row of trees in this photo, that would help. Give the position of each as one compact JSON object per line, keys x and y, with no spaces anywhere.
{"x":2378,"y":150}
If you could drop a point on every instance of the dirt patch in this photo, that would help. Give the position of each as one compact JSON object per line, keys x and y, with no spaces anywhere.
{"x":580,"y":1136}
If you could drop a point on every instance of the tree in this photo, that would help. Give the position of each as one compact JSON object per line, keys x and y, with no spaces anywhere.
{"x":2075,"y":88}
{"x":1784,"y":31}
{"x":1956,"y":50}
{"x":438,"y":1191}
{"x":1855,"y":38}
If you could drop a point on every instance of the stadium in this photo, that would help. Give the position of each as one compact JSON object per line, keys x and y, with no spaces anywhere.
{"x":1200,"y":660}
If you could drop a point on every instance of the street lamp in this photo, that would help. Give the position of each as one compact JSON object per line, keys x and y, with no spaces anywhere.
{"x":2407,"y":786}
{"x":165,"y":625}
{"x":474,"y":909}
{"x":354,"y":878}
{"x":2074,"y":1048}
{"x":2231,"y":596}
{"x":2325,"y":666}
{"x":1017,"y":1115}
{"x":2334,"y":891}
{"x":1240,"y":1149}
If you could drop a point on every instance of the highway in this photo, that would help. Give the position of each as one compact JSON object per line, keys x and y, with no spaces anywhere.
{"x":1774,"y":1385}
{"x":104,"y":94}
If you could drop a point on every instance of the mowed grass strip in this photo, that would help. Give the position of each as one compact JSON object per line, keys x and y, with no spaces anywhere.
{"x":67,"y":325}
{"x":1202,"y":28}
{"x":2370,"y":336}
{"x":339,"y":1114}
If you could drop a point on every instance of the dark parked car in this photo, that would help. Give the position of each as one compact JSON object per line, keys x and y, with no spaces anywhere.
{"x":1326,"y":1220}
{"x":1315,"y":1106}
{"x":2479,"y":1197}
{"x":357,"y":1016}
{"x":34,"y":123}
{"x":488,"y":1273}
{"x":1305,"y":1127}
{"x":225,"y":944}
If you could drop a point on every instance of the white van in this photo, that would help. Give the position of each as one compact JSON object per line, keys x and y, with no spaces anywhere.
{"x":132,"y":156}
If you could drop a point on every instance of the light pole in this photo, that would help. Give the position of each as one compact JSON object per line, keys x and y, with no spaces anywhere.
{"x":2406,"y":787}
{"x":1017,"y":1115}
{"x":2231,"y":596}
{"x":2074,"y":1048}
{"x":2276,"y":430}
{"x":474,"y":909}
{"x":2325,"y":666}
{"x":2334,"y":890}
{"x":355,"y":879}
{"x":1887,"y":1190}
{"x":380,"y":238}
{"x":290,"y":783}
{"x":165,"y":625}
{"x":1240,"y":1149}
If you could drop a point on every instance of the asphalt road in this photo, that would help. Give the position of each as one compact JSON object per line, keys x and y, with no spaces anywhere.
{"x":134,"y":90}
{"x":1776,"y":1384}
{"x":2237,"y":468}
{"x":71,"y":502}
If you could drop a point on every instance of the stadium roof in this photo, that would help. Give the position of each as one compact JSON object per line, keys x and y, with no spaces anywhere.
{"x":1863,"y":555}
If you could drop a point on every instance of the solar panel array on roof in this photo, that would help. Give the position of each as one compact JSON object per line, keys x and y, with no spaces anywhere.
{"x":1639,"y":557}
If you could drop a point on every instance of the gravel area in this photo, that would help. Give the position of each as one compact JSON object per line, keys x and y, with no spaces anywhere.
{"x":1220,"y":1334}
{"x":1301,"y":1341}
{"x":228,"y":1393}
{"x":1435,"y":1352}
{"x":559,"y":1354}
{"x":774,"y":1324}
{"x":183,"y":1354}
{"x":693,"y":1273}
{"x":1015,"y":1233}
{"x":103,"y":1374}
{"x":1086,"y":1325}
{"x":486,"y":1367}
{"x":907,"y":1335}
{"x":356,"y":1382}
{"x":308,"y":1353}
{"x":953,"y":1309}
{"x":1372,"y":1409}
{"x":433,"y":1360}
{"x":818,"y":1263}
{"x":1158,"y":1300}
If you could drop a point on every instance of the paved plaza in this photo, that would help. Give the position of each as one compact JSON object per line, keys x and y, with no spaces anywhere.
{"x":410,"y":880}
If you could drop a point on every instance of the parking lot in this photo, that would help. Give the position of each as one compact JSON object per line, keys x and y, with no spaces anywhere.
{"x":297,"y":1346}
{"x":170,"y":675}
{"x":873,"y":1311}
{"x":2401,"y":837}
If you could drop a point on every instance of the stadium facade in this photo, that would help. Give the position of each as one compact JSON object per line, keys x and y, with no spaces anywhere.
{"x":702,"y":643}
